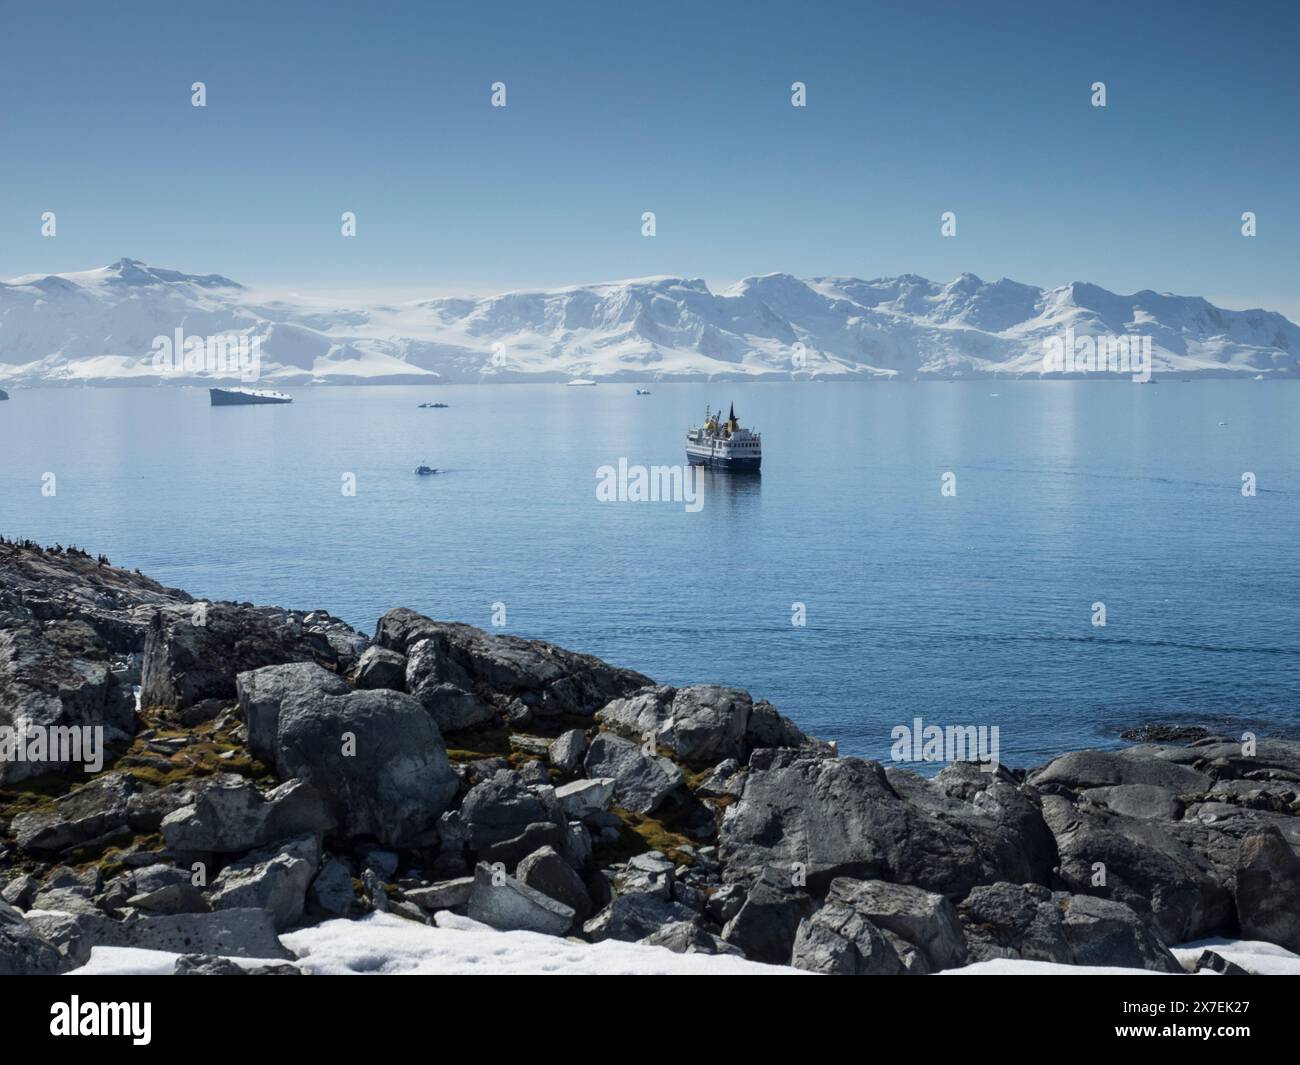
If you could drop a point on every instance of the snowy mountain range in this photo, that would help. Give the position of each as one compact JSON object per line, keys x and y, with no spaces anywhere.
{"x":101,"y":327}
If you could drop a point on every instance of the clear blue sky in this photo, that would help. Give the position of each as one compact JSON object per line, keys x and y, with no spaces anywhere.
{"x":914,"y":108}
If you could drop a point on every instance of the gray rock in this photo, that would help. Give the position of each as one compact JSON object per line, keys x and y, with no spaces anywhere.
{"x":567,"y":749}
{"x":682,"y":937}
{"x":19,"y":890}
{"x":844,"y":817}
{"x":510,"y":905}
{"x":504,"y":820}
{"x":548,"y":679}
{"x":275,"y":880}
{"x":1145,"y":764}
{"x":376,"y":758}
{"x":725,"y":781}
{"x":332,"y":893}
{"x":641,"y":784}
{"x":925,"y":920}
{"x":243,"y":933}
{"x":546,"y":871}
{"x":92,"y":811}
{"x":766,"y":924}
{"x":837,"y":940}
{"x":381,"y":668}
{"x":631,"y":918}
{"x":231,"y":816}
{"x":383,"y":862}
{"x":1102,"y":932}
{"x":582,"y":798}
{"x":577,"y":846}
{"x":444,"y":895}
{"x":1217,"y":963}
{"x":534,"y":773}
{"x":22,"y":951}
{"x":443,"y":687}
{"x":263,"y":692}
{"x":166,"y":889}
{"x":1267,"y":890}
{"x":206,"y":965}
{"x":1019,"y":921}
{"x":1147,"y":802}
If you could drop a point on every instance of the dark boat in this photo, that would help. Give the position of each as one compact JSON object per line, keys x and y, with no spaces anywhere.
{"x":239,"y":397}
{"x":425,"y":471}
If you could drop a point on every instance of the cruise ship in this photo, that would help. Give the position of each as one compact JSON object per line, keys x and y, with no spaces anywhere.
{"x":231,"y":397}
{"x":724,"y":444}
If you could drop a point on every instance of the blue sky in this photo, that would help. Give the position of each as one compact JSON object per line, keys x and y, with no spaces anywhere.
{"x":914,"y":108}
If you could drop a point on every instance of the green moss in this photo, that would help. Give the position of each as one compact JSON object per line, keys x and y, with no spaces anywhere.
{"x":640,"y":833}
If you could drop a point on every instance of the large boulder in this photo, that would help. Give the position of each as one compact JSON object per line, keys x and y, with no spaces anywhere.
{"x":231,"y":816}
{"x":381,"y":668}
{"x":443,"y":687}
{"x":1163,"y":767}
{"x":94,"y":811}
{"x":546,"y":871}
{"x":631,"y":918}
{"x":274,"y":879}
{"x":767,"y":922}
{"x":263,"y":692}
{"x":1104,"y":932}
{"x":837,"y":940}
{"x":1267,"y":889}
{"x":499,"y":670}
{"x":641,"y":783}
{"x":375,"y":756}
{"x":843,"y":817}
{"x":1141,"y":863}
{"x":195,"y":651}
{"x":701,"y":724}
{"x":510,"y":905}
{"x":925,"y":922}
{"x":504,"y":820}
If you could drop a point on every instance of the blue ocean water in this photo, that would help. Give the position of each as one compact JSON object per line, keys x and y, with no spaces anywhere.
{"x":975,"y":608}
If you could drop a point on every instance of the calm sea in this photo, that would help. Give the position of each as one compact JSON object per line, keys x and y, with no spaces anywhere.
{"x":973,"y":608}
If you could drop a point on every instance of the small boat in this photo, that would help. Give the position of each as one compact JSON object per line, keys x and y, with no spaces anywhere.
{"x":433,"y":406}
{"x":582,"y":382}
{"x":239,"y":397}
{"x":425,"y":471}
{"x":724,"y":444}
{"x":643,"y":391}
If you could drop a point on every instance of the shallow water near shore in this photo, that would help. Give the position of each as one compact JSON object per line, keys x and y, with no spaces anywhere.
{"x":973,"y":609}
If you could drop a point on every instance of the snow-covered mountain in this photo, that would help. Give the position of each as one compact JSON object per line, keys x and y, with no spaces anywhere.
{"x":100,"y":327}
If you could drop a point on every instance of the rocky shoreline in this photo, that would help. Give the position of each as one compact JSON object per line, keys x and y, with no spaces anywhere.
{"x":267,"y":769}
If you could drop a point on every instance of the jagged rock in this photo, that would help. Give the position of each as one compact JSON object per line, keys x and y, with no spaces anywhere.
{"x":582,"y":798}
{"x":230,"y":816}
{"x":275,"y":880}
{"x":443,"y":687}
{"x":701,"y":723}
{"x":332,"y":893}
{"x":843,"y":817}
{"x":1102,"y":932}
{"x":566,"y":751}
{"x":195,"y":651}
{"x":376,"y":758}
{"x":545,"y":871}
{"x":725,"y":781}
{"x":444,"y":895}
{"x":549,"y":680}
{"x":682,"y":937}
{"x":504,"y":820}
{"x":641,"y":784}
{"x":725,"y":903}
{"x":533,"y":773}
{"x":380,"y":668}
{"x":1151,"y":765}
{"x":64,"y":900}
{"x":166,"y":889}
{"x":22,"y":951}
{"x":92,"y":811}
{"x":242,"y":933}
{"x":19,"y":890}
{"x":631,"y":918}
{"x":837,"y":940}
{"x":925,"y":920}
{"x":1217,"y":963}
{"x":263,"y":692}
{"x":1267,"y":890}
{"x":206,"y":965}
{"x":766,"y":924}
{"x":1013,"y":921}
{"x":510,"y":905}
{"x":375,"y":891}
{"x":1146,"y":867}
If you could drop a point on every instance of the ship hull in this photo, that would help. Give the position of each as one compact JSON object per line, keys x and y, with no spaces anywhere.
{"x":222,"y":398}
{"x":731,"y":463}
